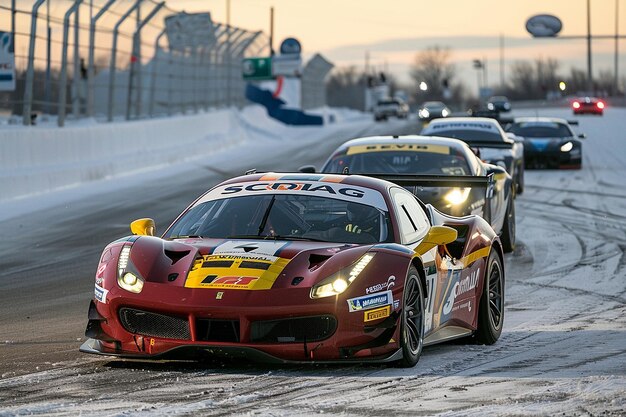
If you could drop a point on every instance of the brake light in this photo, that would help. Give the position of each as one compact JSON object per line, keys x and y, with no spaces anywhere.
{"x":600,"y":105}
{"x":576,"y":105}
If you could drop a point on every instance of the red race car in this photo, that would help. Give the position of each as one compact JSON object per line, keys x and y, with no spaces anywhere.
{"x":299,"y":268}
{"x":591,"y":105}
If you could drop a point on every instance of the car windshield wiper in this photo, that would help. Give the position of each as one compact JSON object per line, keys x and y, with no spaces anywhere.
{"x":266,"y":215}
{"x":275,"y":237}
{"x":187,"y":237}
{"x":257,"y":237}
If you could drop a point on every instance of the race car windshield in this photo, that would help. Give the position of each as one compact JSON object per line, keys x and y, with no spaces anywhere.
{"x":400,"y":162}
{"x":469,"y":135}
{"x":285,"y":216}
{"x":552,"y":130}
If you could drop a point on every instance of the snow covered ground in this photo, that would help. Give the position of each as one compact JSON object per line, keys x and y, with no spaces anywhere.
{"x":562,"y":351}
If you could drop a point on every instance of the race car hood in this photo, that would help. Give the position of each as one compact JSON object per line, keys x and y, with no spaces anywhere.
{"x":544,"y":144}
{"x":240,"y":264}
{"x":494,"y":154}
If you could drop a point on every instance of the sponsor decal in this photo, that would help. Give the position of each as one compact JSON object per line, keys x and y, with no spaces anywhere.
{"x":295,"y":186}
{"x":219,"y":295}
{"x":376,"y":314}
{"x":466,"y":305}
{"x":238,"y":265}
{"x":396,"y":304}
{"x":325,"y":187}
{"x":368,"y":302}
{"x":383,"y":286}
{"x":464,"y":125}
{"x":100,"y":294}
{"x":232,"y":282}
{"x":463,"y":286}
{"x":407,"y":147}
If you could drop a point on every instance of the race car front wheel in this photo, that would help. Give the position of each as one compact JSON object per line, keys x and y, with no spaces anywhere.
{"x":412,"y":326}
{"x":508,"y":227}
{"x":491,"y":308}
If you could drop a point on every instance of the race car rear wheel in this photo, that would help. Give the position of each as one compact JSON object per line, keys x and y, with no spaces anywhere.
{"x":491,"y":309}
{"x":520,"y":180}
{"x":508,"y":227}
{"x":412,"y":326}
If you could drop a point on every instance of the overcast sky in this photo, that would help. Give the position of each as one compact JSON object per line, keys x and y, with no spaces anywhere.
{"x":394,"y":30}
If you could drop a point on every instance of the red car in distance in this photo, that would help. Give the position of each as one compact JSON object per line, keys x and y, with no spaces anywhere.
{"x":584,"y":105}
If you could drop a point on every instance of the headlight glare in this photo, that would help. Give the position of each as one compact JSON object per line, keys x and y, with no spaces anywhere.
{"x":129,"y":279}
{"x":567,"y":147}
{"x":340,"y":285}
{"x":457,"y":196}
{"x":341,"y":280}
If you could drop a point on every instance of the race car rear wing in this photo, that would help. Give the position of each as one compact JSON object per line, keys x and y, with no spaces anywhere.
{"x":460,"y":181}
{"x":495,"y":145}
{"x":467,"y":181}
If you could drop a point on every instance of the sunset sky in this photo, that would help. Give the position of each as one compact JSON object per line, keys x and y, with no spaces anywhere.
{"x":394,"y":30}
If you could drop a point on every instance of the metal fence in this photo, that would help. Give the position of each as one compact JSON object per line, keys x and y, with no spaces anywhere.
{"x":113,"y":59}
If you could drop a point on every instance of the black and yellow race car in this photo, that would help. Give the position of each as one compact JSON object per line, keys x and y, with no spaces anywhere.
{"x":441,"y":171}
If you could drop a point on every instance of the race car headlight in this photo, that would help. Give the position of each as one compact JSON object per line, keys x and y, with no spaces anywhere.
{"x":567,"y":147}
{"x":444,"y":113}
{"x":424,"y":113}
{"x":341,"y":280}
{"x":128,"y":280}
{"x":490,"y":106}
{"x":457,"y":196}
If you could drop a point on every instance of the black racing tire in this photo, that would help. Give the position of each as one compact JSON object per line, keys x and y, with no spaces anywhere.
{"x":491,"y":306}
{"x":520,"y":180}
{"x":412,"y":324}
{"x":508,"y":227}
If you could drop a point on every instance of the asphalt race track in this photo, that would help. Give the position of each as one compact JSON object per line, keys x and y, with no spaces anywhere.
{"x":563,"y":348}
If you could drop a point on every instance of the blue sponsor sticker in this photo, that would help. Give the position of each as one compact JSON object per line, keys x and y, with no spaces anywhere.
{"x":367,"y":302}
{"x":101,"y":294}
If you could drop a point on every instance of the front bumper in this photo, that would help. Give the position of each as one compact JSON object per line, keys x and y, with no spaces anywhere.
{"x":552,"y":159}
{"x":246,"y":353}
{"x":188,"y":315}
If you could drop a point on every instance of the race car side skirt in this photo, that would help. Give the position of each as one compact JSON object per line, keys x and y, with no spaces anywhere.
{"x":94,"y":346}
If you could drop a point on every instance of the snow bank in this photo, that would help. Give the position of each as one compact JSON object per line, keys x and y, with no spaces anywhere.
{"x":39,"y":159}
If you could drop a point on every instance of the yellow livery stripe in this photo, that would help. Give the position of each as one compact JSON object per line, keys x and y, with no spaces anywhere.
{"x":474,"y":256}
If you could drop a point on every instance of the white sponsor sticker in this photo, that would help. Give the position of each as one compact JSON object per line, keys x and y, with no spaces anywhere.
{"x":336,"y":191}
{"x":367,"y":302}
{"x":101,"y":294}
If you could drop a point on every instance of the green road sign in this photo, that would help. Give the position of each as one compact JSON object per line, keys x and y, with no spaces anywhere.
{"x":257,"y":69}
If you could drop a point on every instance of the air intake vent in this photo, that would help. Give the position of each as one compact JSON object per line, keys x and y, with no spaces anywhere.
{"x":297,"y":329}
{"x":210,"y":330}
{"x":154,"y":324}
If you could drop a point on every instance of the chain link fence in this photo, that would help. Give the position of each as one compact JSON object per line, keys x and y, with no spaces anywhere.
{"x":121,"y":59}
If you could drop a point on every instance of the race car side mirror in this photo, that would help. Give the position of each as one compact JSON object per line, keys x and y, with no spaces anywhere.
{"x":516,"y":138}
{"x":437,"y":235}
{"x":582,"y":136}
{"x":143,"y":227}
{"x":308,"y":169}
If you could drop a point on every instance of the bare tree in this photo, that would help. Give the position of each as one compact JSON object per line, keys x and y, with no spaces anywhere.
{"x":577,"y":81}
{"x":546,"y":74}
{"x":522,"y":84}
{"x":346,"y":88}
{"x":432,"y":66}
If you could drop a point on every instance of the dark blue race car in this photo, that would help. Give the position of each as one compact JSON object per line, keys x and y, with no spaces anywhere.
{"x":548,"y":142}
